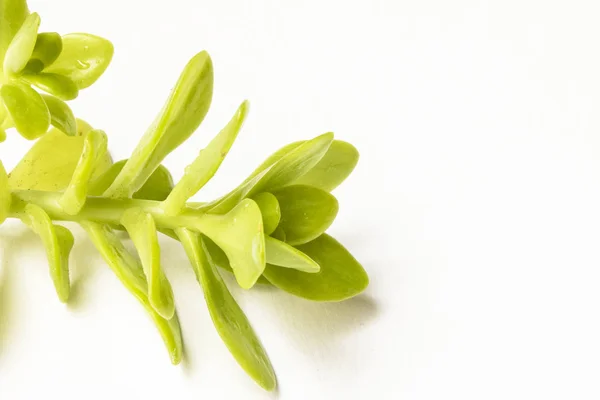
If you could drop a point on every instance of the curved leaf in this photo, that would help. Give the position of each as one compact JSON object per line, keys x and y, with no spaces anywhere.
{"x":131,"y":275}
{"x":180,"y":117}
{"x":26,"y":108}
{"x":204,"y":167}
{"x":47,"y":48}
{"x":61,"y":116}
{"x":269,"y":208}
{"x":60,"y":86}
{"x":283,"y":255}
{"x":340,"y":277}
{"x":12,"y":15}
{"x":83,"y":58}
{"x":94,"y":149}
{"x":229,"y":319}
{"x":279,"y":234}
{"x":5,"y":197}
{"x":306,"y":212}
{"x":21,"y":46}
{"x":58,"y":242}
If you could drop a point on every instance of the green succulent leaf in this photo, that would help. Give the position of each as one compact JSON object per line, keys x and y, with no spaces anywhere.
{"x":283,"y":255}
{"x":269,"y":208}
{"x":142,"y":230}
{"x":94,"y":149}
{"x":180,"y":117}
{"x":204,"y":167}
{"x":340,"y":277}
{"x":83,"y":58}
{"x":5,"y":197}
{"x":306,"y":212}
{"x":279,"y":234}
{"x":58,"y":242}
{"x":229,"y":319}
{"x":131,"y":274}
{"x":50,"y":162}
{"x":26,"y":108}
{"x":61,"y":116}
{"x":48,"y":46}
{"x":12,"y":15}
{"x":60,"y":86}
{"x":157,"y":187}
{"x":284,"y":169}
{"x":21,"y":46}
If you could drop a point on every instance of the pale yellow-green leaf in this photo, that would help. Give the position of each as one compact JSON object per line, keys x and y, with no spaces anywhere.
{"x":60,"y":86}
{"x":21,"y":46}
{"x":61,"y":116}
{"x":5,"y":197}
{"x":47,"y":48}
{"x":283,"y":255}
{"x":27,"y":109}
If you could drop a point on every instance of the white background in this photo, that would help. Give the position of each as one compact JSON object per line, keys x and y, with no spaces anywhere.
{"x":474,"y":208}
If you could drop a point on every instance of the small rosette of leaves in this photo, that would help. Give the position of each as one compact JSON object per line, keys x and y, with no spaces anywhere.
{"x":58,"y":66}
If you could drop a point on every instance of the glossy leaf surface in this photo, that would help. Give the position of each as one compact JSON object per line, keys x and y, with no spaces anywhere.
{"x":284,"y":255}
{"x":26,"y":108}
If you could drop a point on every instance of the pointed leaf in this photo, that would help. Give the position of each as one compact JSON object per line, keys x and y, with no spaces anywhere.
{"x":142,"y":230}
{"x":83,"y":58}
{"x":60,"y":86}
{"x":180,"y":117}
{"x":131,"y":275}
{"x":203,"y":168}
{"x":269,"y":208}
{"x":26,"y":108}
{"x":12,"y":15}
{"x":306,"y":212}
{"x":50,"y":162}
{"x":94,"y":149}
{"x":21,"y":47}
{"x":61,"y":116}
{"x":5,"y":197}
{"x":340,"y":277}
{"x":58,"y":242}
{"x":283,"y":255}
{"x":229,"y":319}
{"x":47,"y":48}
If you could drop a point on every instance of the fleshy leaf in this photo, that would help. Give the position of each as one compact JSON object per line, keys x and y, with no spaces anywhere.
{"x":279,"y":234}
{"x":269,"y":208}
{"x":335,"y":166}
{"x":285,"y":168}
{"x":340,"y":277}
{"x":50,"y":162}
{"x":284,"y":255}
{"x":94,"y":149}
{"x":83,"y":58}
{"x":47,"y":48}
{"x":130,"y":273}
{"x":229,"y":319}
{"x":204,"y":167}
{"x":26,"y":108}
{"x":12,"y":15}
{"x":157,"y":187}
{"x":5,"y":197}
{"x":60,"y":86}
{"x":61,"y":116}
{"x":58,"y":242}
{"x":306,"y":212}
{"x":180,"y":117}
{"x":21,"y":46}
{"x":142,"y":230}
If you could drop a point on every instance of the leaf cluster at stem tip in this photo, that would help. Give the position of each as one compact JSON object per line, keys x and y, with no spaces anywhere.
{"x":269,"y":230}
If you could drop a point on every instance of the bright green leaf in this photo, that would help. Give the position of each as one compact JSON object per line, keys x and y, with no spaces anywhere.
{"x":94,"y":149}
{"x":130,"y":273}
{"x":180,"y":117}
{"x":340,"y":277}
{"x":61,"y":116}
{"x":5,"y":197}
{"x":283,"y":255}
{"x":50,"y":162}
{"x":12,"y":15}
{"x":60,"y":86}
{"x":203,"y":168}
{"x":269,"y":208}
{"x":26,"y":108}
{"x":47,"y":48}
{"x":306,"y":212}
{"x":229,"y":319}
{"x":58,"y":242}
{"x":21,"y":47}
{"x":142,"y":230}
{"x":83,"y":58}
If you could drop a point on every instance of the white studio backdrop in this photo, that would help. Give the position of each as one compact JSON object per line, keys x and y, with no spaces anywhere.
{"x":474,"y":207}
